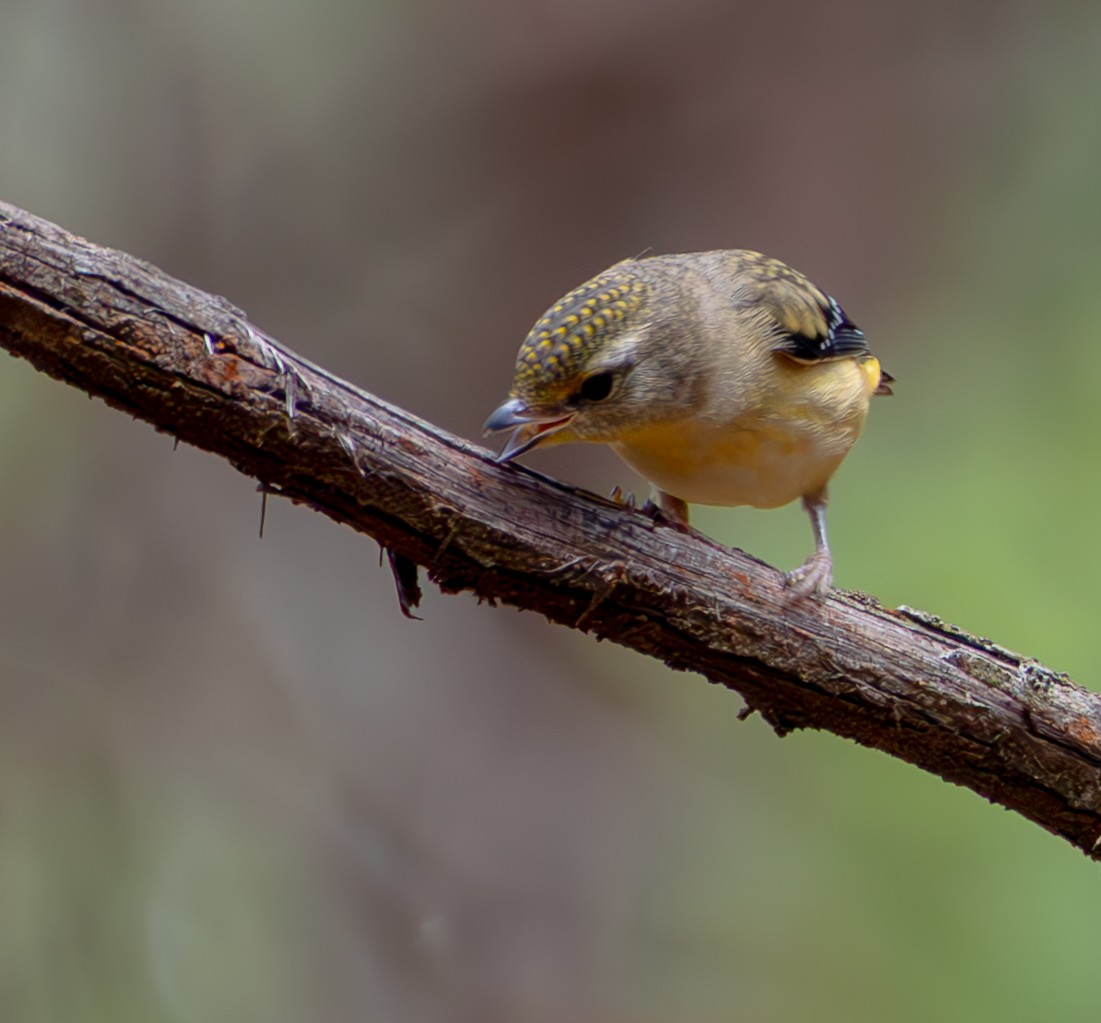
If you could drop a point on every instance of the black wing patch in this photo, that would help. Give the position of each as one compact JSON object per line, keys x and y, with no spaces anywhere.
{"x":830,"y":335}
{"x":808,"y":325}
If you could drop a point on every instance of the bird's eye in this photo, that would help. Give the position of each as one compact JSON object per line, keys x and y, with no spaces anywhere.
{"x":596,"y":387}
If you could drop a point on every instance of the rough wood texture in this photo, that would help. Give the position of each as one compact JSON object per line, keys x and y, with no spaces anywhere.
{"x":897,"y":680}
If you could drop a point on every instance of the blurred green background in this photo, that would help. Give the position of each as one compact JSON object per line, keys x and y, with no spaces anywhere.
{"x":236,"y":785}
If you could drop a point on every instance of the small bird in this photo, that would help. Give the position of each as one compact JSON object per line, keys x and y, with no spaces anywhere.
{"x":723,"y":378}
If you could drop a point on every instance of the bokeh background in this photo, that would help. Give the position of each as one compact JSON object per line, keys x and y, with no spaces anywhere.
{"x":236,"y":785}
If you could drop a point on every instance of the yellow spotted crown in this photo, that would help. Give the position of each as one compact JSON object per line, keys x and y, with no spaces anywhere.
{"x":559,"y":345}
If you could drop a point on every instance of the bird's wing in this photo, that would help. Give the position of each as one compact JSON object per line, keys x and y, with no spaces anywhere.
{"x":810,"y":325}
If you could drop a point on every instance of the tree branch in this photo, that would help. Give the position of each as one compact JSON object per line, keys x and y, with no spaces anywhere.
{"x":897,"y":680}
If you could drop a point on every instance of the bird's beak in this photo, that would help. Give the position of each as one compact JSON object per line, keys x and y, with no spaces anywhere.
{"x":528,"y":428}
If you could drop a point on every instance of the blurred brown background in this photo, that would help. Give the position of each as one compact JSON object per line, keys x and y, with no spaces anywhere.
{"x":236,"y":785}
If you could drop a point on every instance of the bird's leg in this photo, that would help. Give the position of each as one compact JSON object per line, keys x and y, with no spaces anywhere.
{"x":815,"y":575}
{"x":673,"y":508}
{"x":663,"y":507}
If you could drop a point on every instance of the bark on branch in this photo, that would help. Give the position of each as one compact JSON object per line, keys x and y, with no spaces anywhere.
{"x":896,"y":680}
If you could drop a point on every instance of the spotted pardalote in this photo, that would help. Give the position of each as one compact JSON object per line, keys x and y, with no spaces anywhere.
{"x":723,"y":378}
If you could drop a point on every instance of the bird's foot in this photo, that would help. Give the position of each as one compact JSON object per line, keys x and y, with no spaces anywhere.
{"x":665,"y":511}
{"x":623,"y":497}
{"x":651,"y":509}
{"x":814,"y":577}
{"x":661,"y":513}
{"x":663,"y":507}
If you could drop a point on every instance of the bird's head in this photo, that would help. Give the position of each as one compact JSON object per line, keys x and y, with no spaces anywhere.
{"x":599,"y":363}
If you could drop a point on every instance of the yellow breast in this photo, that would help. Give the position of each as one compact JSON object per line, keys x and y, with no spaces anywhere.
{"x":764,"y":457}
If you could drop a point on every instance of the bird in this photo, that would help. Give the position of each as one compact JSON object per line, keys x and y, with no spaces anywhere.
{"x":723,"y":378}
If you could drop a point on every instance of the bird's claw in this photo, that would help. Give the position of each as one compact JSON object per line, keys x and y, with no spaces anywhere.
{"x":662,"y":515}
{"x":813,"y":578}
{"x":623,"y":497}
{"x":652,"y":509}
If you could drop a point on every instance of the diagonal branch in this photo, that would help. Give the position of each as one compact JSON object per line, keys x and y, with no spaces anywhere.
{"x":897,"y":680}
